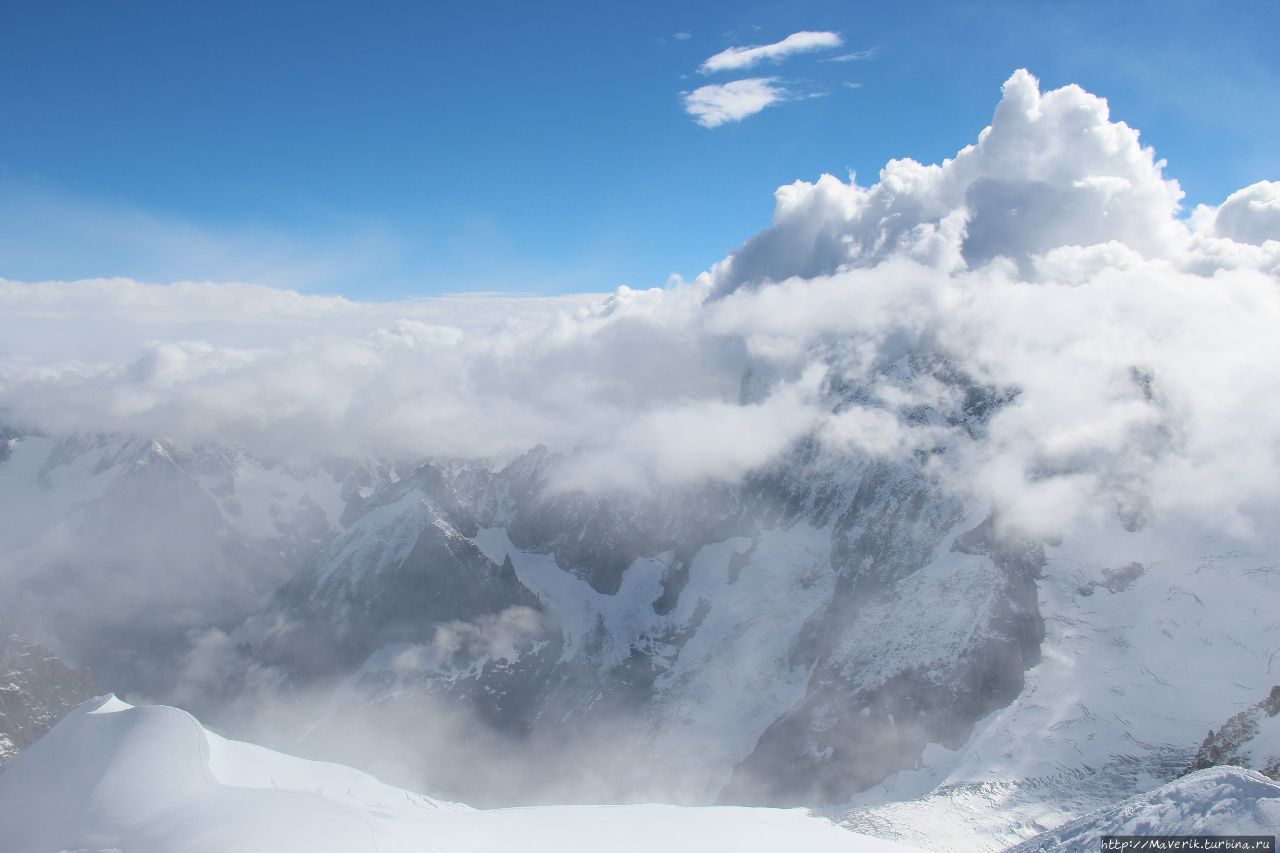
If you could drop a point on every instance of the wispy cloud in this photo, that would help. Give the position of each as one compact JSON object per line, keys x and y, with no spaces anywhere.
{"x":856,"y":56}
{"x":712,"y":106}
{"x":683,"y":36}
{"x":736,"y":58}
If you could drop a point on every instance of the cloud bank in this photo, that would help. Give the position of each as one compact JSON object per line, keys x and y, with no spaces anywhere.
{"x":1050,"y":258}
{"x":739,"y":58}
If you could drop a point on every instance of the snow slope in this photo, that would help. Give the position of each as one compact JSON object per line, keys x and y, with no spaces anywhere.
{"x":1134,"y":664}
{"x":114,"y":777}
{"x":1216,"y":801}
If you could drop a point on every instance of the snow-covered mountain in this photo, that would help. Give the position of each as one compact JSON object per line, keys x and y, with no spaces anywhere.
{"x":944,"y":505}
{"x":161,"y":543}
{"x":817,"y":633}
{"x":1132,"y":667}
{"x":822,"y":631}
{"x":114,"y":777}
{"x":1214,"y":801}
{"x":722,"y":632}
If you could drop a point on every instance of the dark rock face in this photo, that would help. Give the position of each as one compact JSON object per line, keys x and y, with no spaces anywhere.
{"x":597,"y":537}
{"x":1114,"y":580}
{"x":852,"y":731}
{"x":1234,"y":744}
{"x":861,"y":721}
{"x":397,"y":574}
{"x":36,"y":690}
{"x":891,"y":529}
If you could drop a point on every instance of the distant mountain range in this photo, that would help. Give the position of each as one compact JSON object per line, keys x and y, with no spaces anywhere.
{"x":816,"y":635}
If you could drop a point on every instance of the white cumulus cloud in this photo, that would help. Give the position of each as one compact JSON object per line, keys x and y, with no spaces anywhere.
{"x":714,"y":105}
{"x":1250,"y":215}
{"x":1052,"y":170}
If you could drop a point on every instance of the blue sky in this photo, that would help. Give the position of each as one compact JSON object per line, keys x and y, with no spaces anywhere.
{"x":397,"y":149}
